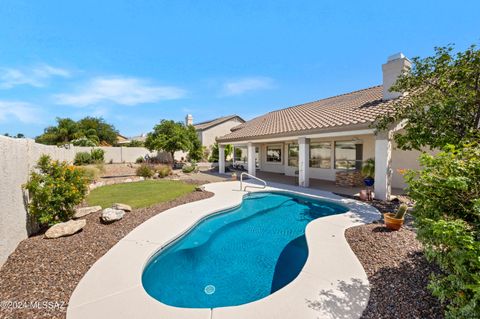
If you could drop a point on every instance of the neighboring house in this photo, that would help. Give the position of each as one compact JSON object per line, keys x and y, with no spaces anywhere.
{"x":122,"y":139}
{"x":209,"y":131}
{"x":330,"y":138}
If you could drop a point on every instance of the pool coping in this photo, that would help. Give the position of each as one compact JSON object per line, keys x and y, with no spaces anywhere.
{"x":332,"y":287}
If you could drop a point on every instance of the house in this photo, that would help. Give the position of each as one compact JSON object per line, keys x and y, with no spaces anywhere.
{"x":209,"y":131}
{"x":330,"y":138}
{"x":122,"y":139}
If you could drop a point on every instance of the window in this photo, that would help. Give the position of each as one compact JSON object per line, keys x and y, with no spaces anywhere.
{"x":348,"y":155}
{"x":274,"y":154}
{"x":293,"y":155}
{"x":240,"y":154}
{"x":320,"y":155}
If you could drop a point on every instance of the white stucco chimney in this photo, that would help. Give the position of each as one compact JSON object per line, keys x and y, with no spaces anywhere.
{"x":189,"y":119}
{"x":395,"y":66}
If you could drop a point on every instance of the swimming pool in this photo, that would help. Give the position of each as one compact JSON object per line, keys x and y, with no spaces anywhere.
{"x":239,"y":255}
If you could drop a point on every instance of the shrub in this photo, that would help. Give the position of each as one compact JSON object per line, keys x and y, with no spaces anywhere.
{"x":90,"y":173}
{"x":140,"y":160}
{"x":97,"y":155}
{"x":163,"y":170}
{"x":145,"y":170}
{"x":189,"y":167}
{"x":54,"y":189}
{"x":447,"y":213}
{"x":82,"y":158}
{"x":83,"y":141}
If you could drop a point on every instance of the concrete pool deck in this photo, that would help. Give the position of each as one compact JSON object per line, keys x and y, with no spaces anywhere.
{"x":332,"y":284}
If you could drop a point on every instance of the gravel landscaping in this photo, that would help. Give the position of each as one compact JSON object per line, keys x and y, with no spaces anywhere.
{"x":397,"y":270}
{"x":48,"y":270}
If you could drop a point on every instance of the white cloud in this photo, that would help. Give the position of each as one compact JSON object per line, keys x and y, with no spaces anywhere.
{"x":119,"y":90}
{"x":23,"y":111}
{"x":244,"y":85}
{"x":37,"y":76}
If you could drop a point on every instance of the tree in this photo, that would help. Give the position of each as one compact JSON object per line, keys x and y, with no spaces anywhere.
{"x":170,"y":136}
{"x":196,"y":149}
{"x":447,"y":215}
{"x":442,"y":111}
{"x":443,"y":102}
{"x":95,"y":130}
{"x":215,"y":155}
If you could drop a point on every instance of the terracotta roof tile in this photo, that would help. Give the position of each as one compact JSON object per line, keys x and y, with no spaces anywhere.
{"x":351,"y":109}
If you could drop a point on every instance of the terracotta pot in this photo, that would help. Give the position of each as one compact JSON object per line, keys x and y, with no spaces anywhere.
{"x":234,"y":177}
{"x":391,"y":222}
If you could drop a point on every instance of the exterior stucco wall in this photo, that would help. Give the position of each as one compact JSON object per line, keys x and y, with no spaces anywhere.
{"x":404,"y":160}
{"x":209,"y":136}
{"x":17,"y":158}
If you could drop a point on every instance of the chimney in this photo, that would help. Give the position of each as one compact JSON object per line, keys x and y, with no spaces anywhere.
{"x":189,"y":120}
{"x":395,"y":66}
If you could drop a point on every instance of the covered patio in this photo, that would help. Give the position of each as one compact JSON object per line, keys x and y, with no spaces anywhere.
{"x":324,"y":160}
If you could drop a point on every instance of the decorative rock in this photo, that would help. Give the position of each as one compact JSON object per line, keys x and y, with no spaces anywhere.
{"x":65,"y":229}
{"x":200,"y":188}
{"x":123,"y":207}
{"x":110,"y":215}
{"x":84,"y":211}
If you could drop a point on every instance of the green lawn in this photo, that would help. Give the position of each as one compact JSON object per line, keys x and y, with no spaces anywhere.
{"x":139,"y":194}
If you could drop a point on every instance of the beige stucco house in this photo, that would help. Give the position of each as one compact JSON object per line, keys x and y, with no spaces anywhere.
{"x":209,"y":131}
{"x":330,"y":138}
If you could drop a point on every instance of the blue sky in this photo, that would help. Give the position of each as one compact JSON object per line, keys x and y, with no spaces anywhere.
{"x":136,"y":62}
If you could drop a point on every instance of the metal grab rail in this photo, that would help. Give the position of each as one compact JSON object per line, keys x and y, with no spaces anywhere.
{"x":254,"y":177}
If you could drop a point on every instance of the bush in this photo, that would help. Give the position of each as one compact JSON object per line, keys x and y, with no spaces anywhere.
{"x":140,"y":160}
{"x":83,"y":141}
{"x":97,"y":155}
{"x":447,"y":211}
{"x":82,"y":158}
{"x":163,"y":170}
{"x":145,"y":170}
{"x":54,"y":189}
{"x":90,"y":174}
{"x":189,"y":167}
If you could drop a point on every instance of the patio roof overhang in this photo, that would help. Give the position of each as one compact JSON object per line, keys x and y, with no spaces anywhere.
{"x":295,"y":135}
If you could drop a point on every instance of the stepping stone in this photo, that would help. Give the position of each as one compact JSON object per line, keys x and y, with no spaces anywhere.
{"x":84,"y":211}
{"x":123,"y":207}
{"x":109,"y":215}
{"x":65,"y":229}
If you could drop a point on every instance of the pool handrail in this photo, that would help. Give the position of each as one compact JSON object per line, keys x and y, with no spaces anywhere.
{"x":254,"y":177}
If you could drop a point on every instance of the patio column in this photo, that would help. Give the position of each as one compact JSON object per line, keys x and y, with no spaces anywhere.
{"x":221,"y":159}
{"x":383,"y":165}
{"x":251,"y":159}
{"x":303,"y":162}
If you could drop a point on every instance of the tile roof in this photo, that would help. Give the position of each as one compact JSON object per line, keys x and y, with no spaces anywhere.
{"x":208,"y":124}
{"x":355,"y":109}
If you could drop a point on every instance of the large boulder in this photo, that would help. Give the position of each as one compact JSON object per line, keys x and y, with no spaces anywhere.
{"x":84,"y":211}
{"x":65,"y":229}
{"x":109,"y":215}
{"x":123,"y":207}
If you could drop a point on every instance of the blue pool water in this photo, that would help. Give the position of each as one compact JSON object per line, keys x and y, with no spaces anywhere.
{"x":238,"y":256}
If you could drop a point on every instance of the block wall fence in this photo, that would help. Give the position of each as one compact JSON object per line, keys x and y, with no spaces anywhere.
{"x":17,"y":159}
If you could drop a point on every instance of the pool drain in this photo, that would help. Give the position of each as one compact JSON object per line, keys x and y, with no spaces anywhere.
{"x":209,"y":289}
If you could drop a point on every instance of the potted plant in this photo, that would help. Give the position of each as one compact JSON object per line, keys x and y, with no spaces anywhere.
{"x":395,"y":221}
{"x":368,"y":173}
{"x":234,"y":176}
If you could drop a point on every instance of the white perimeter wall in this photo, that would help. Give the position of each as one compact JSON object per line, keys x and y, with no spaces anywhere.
{"x":17,"y":159}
